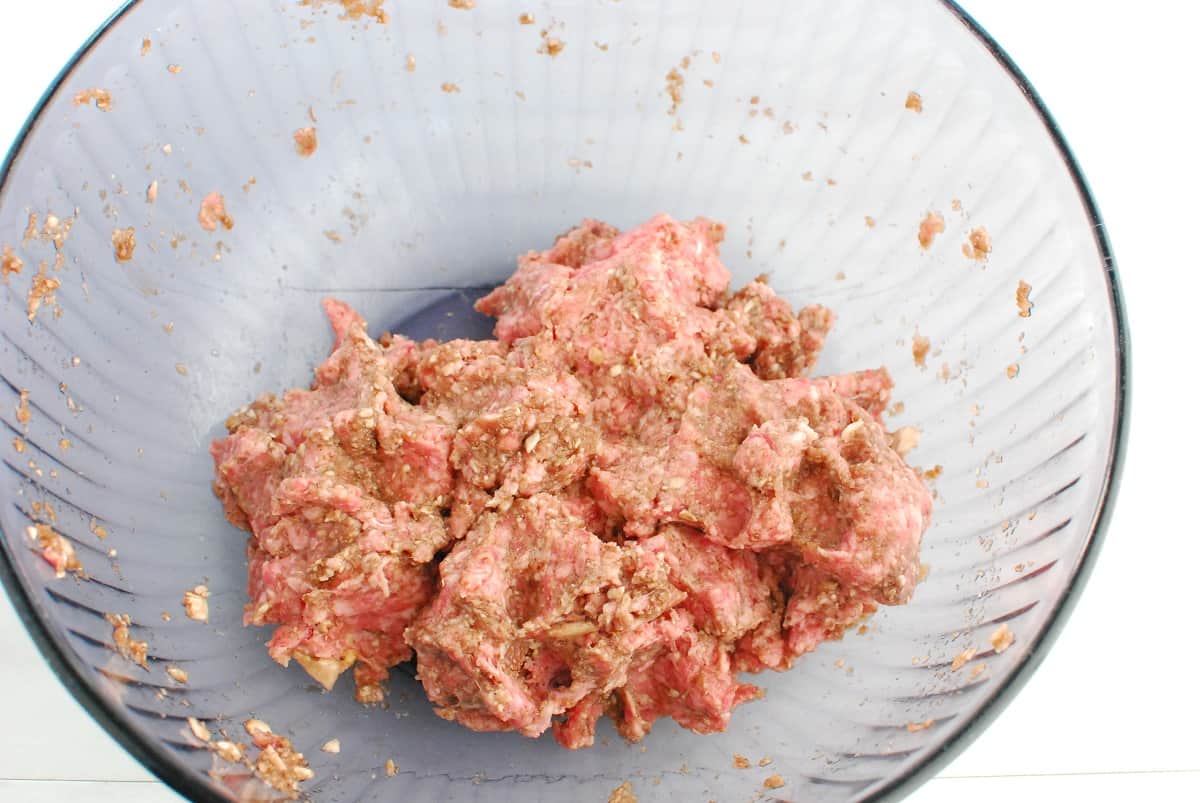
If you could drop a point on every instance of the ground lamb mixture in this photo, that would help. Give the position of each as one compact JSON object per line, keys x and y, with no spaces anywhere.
{"x":630,"y":497}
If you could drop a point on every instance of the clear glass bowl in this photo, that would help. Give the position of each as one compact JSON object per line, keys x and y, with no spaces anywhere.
{"x":450,"y":141}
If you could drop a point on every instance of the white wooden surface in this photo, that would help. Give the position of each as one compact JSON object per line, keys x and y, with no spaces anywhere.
{"x":1111,"y":713}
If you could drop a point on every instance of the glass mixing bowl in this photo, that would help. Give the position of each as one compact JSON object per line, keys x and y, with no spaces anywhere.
{"x":450,"y":140}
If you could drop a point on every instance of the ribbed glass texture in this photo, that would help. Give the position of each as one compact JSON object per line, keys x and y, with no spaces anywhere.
{"x":449,"y":141}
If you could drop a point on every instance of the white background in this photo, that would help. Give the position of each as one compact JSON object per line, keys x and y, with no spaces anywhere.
{"x":1112,"y":712}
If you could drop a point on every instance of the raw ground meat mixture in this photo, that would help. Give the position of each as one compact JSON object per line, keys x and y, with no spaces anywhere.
{"x":631,"y":496}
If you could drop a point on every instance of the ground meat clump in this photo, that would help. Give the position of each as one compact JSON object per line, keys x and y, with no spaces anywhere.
{"x":636,"y":493}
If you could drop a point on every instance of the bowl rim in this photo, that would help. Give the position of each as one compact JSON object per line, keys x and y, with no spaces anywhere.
{"x":151,"y":753}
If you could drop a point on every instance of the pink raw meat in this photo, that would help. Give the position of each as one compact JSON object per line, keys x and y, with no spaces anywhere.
{"x":634,"y":494}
